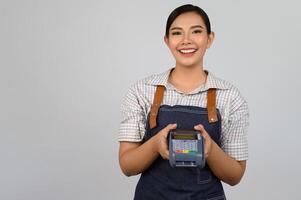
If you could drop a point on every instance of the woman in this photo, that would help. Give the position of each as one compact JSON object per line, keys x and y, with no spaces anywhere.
{"x":185,"y":97}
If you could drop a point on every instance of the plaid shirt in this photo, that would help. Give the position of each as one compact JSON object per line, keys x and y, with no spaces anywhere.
{"x":232,"y":106}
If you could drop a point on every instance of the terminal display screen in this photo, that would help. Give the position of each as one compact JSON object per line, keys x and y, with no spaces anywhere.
{"x":185,"y":146}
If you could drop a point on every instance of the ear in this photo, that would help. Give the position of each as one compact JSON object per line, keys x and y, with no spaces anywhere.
{"x":210,"y":39}
{"x":166,"y":40}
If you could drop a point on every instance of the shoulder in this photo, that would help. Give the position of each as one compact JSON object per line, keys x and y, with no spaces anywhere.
{"x":233,"y":91}
{"x":226,"y":88}
{"x":229,"y":97}
{"x":142,"y":91}
{"x":141,"y":85}
{"x":149,"y":83}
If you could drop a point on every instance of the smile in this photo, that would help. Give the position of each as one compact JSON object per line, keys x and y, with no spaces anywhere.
{"x":187,"y":51}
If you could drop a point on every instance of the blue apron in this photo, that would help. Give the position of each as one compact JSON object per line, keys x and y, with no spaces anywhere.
{"x":160,"y":180}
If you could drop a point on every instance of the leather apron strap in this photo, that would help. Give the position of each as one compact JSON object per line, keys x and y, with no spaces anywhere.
{"x":158,"y":98}
{"x":156,"y":105}
{"x":211,"y":105}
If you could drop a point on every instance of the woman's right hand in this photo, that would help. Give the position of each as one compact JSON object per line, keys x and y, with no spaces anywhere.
{"x":161,"y":140}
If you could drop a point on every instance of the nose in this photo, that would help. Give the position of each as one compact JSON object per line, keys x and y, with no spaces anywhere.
{"x":186,"y":39}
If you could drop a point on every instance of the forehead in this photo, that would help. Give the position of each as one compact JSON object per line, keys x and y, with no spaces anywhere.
{"x":187,"y":20}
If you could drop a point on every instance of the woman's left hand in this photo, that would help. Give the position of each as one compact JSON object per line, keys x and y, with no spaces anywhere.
{"x":207,"y":138}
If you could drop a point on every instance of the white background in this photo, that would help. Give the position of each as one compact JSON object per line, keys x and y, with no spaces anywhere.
{"x":66,"y":64}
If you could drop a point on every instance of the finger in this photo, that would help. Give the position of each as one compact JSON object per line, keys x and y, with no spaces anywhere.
{"x":202,"y":130}
{"x":166,"y":155}
{"x":168,"y":128}
{"x":171,"y":126}
{"x":199,"y":127}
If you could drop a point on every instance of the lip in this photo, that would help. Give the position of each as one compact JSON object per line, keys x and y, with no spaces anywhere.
{"x":187,"y":54}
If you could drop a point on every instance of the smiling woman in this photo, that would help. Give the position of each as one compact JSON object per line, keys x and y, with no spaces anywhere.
{"x":189,"y":36}
{"x":185,"y":97}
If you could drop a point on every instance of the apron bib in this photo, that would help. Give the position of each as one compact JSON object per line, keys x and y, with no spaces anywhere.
{"x":160,"y":180}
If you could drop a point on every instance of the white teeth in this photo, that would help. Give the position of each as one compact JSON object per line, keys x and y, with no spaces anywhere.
{"x":187,"y":50}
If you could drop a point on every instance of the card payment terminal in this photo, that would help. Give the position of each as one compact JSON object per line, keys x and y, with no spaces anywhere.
{"x":186,"y":148}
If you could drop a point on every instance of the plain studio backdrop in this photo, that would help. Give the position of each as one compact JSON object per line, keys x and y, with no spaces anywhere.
{"x":65,"y":66}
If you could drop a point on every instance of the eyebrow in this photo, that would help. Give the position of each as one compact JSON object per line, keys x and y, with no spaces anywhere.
{"x":195,"y":26}
{"x":176,"y":28}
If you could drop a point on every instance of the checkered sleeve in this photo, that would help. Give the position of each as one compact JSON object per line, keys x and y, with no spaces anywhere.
{"x":234,"y":139}
{"x":132,"y":125}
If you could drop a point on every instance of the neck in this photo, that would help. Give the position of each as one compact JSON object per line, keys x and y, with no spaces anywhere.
{"x":187,"y":78}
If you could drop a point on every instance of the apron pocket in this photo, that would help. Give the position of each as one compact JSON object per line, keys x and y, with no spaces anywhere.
{"x":204,"y":176}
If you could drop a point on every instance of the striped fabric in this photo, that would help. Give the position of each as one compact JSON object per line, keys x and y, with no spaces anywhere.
{"x":233,"y":109}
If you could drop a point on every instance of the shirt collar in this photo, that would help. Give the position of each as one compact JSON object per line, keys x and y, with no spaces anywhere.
{"x":211,"y":81}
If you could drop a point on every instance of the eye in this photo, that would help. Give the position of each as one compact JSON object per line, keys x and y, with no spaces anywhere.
{"x":197,"y":31}
{"x":176,"y":33}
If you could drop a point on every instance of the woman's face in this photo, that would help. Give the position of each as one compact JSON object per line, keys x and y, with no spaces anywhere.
{"x":188,"y":39}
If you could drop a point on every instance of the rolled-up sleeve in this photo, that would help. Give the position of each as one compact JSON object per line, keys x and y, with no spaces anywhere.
{"x":132,"y":125}
{"x":234,"y":134}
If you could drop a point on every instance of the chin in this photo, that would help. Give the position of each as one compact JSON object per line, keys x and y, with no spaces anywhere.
{"x":189,"y":64}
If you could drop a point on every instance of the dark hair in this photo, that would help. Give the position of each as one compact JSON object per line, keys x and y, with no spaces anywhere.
{"x":187,"y":8}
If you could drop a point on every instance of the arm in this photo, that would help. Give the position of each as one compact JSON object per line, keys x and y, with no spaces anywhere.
{"x":226,"y":162}
{"x":222,"y":165}
{"x":225,"y":167}
{"x":134,"y":158}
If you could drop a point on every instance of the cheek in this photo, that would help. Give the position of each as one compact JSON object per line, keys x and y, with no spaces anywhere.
{"x":173,"y":45}
{"x":202,"y":42}
{"x":174,"y":42}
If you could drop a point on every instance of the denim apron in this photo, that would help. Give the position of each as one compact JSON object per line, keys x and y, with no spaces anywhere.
{"x":160,"y":180}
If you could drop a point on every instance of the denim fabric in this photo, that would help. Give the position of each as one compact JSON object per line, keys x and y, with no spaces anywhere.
{"x":161,"y":181}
